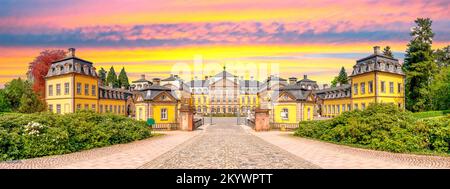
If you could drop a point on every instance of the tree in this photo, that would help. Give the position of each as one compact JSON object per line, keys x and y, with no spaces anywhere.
{"x":14,"y":91}
{"x":111,"y":79}
{"x":21,"y":97}
{"x":342,"y":78}
{"x":123,"y":79}
{"x":440,"y":90}
{"x":5,"y":106}
{"x":442,"y":57}
{"x":102,"y":76}
{"x":30,"y":103}
{"x":39,"y":67}
{"x":419,"y":66}
{"x":387,"y":52}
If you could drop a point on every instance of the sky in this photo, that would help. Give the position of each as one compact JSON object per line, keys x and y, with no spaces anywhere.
{"x":290,"y":38}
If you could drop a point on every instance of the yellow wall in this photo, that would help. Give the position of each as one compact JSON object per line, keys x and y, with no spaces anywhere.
{"x":114,"y":103}
{"x":305,"y":111}
{"x":327,"y":108}
{"x":141,"y":111}
{"x":292,"y":112}
{"x":397,"y":98}
{"x":86,"y":80}
{"x":64,"y":100}
{"x":171,"y":109}
{"x":363,"y":78}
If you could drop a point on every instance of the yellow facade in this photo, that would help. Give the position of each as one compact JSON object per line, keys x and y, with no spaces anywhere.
{"x":283,"y":109}
{"x":308,"y":111}
{"x":112,"y":106}
{"x":170,"y":113}
{"x":62,"y":101}
{"x":387,"y":88}
{"x":334,"y":107}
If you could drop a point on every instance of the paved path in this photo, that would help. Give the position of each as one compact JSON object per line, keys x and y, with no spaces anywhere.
{"x":131,"y":155}
{"x":228,"y":146}
{"x":333,"y":156}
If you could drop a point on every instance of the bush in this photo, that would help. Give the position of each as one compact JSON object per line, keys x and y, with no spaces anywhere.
{"x":41,"y":134}
{"x":382,"y":127}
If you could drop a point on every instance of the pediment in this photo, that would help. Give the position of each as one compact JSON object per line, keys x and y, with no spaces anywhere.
{"x":164,"y":97}
{"x":285,"y":97}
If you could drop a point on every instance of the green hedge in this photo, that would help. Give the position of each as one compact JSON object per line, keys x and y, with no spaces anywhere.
{"x":41,"y":134}
{"x":422,"y":115}
{"x":382,"y":127}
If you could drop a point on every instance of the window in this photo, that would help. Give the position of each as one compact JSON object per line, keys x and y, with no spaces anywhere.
{"x":399,"y":88}
{"x":224,"y":109}
{"x":101,"y":108}
{"x":243,"y":100}
{"x":79,"y":88}
{"x":58,"y":89}
{"x":391,"y":87}
{"x":93,"y":107}
{"x":370,"y":86}
{"x":78,"y":106}
{"x":363,"y":88}
{"x":110,"y":108}
{"x":58,"y":108}
{"x":229,"y":109}
{"x":383,"y":87}
{"x":140,"y":113}
{"x":343,"y":107}
{"x":284,"y":113}
{"x":50,"y":107}
{"x":355,"y":88}
{"x":86,"y":89}
{"x":338,"y":107}
{"x":334,"y":109}
{"x":94,"y":89}
{"x":329,"y":109}
{"x":399,"y":105}
{"x":363,"y":106}
{"x":356,"y":106}
{"x":66,"y":88}
{"x":349,"y":107}
{"x":50,"y":90}
{"x":86,"y":106}
{"x":115,"y":109}
{"x":164,"y":114}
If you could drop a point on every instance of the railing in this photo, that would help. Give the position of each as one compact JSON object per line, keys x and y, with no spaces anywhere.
{"x":251,"y":122}
{"x":165,"y":126}
{"x":198,"y":122}
{"x":284,"y":126}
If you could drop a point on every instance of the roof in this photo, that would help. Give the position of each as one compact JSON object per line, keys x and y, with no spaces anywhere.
{"x":198,"y":83}
{"x":224,"y":74}
{"x":71,"y":64}
{"x":154,"y":90}
{"x":337,"y":88}
{"x":249,"y":83}
{"x":171,"y":78}
{"x":141,"y":80}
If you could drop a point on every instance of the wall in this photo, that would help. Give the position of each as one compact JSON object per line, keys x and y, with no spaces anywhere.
{"x":292,"y":113}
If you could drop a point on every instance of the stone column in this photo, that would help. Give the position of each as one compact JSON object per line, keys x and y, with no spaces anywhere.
{"x":186,"y":118}
{"x":262,"y":120}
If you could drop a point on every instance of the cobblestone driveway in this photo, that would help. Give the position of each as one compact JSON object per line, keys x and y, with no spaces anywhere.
{"x":228,"y":146}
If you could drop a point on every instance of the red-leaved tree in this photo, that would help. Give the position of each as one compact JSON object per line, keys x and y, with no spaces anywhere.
{"x":39,"y":68}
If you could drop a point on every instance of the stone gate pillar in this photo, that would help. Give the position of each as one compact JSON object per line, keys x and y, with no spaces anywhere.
{"x":262,"y":120}
{"x":186,"y":118}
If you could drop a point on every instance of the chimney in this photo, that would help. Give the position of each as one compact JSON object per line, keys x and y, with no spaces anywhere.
{"x":376,"y":50}
{"x":156,"y":81}
{"x":305,"y":76}
{"x":176,"y":76}
{"x":206,"y":77}
{"x":251,"y":78}
{"x":292,"y":80}
{"x":143,"y":76}
{"x":71,"y":52}
{"x":325,"y":86}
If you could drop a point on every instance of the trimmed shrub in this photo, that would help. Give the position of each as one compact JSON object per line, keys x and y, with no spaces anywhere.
{"x":382,"y":127}
{"x":42,"y":134}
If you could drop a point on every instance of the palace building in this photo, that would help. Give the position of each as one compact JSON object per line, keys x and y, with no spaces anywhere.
{"x":72,"y":84}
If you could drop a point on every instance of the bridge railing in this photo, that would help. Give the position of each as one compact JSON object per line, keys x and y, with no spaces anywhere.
{"x":165,"y":126}
{"x":284,"y":126}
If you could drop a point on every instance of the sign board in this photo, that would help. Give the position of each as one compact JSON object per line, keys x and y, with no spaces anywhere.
{"x":150,"y":121}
